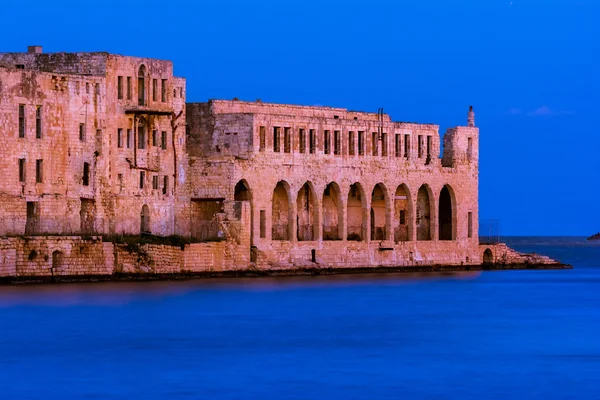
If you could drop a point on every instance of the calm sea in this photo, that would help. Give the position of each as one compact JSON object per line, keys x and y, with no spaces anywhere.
{"x":491,"y":335}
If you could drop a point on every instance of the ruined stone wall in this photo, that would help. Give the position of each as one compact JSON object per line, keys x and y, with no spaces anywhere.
{"x":61,"y":63}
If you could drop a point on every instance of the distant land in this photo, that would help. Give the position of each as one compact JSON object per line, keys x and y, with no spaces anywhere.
{"x":594,"y":237}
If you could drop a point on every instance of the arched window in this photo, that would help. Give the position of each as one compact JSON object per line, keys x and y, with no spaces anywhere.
{"x":332,"y":212}
{"x":488,"y":257}
{"x":142,"y":86}
{"x":378,"y":213}
{"x":423,"y":214}
{"x":356,"y":213}
{"x":447,"y":218}
{"x":280,"y":217}
{"x":306,"y":216}
{"x":145,"y":220}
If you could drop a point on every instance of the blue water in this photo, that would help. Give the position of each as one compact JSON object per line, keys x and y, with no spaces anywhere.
{"x":490,"y":335}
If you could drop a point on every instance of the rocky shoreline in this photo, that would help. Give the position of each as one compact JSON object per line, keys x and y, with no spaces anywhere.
{"x":594,"y":237}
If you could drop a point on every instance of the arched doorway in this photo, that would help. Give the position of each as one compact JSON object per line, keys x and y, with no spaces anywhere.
{"x":378,"y":213}
{"x":402,"y":214}
{"x":306,"y":213}
{"x":242,"y":193}
{"x":57,"y":260}
{"x":145,"y":220}
{"x":141,"y":86}
{"x":423,"y":219}
{"x":446,"y":215}
{"x":488,"y":257}
{"x":356,"y":213}
{"x":332,"y":212}
{"x":280,"y":216}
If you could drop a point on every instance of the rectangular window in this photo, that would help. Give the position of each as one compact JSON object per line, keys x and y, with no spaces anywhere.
{"x":470,"y":224}
{"x":163,"y":90}
{"x":326,"y":144}
{"x":142,"y":179}
{"x":312,"y":138}
{"x":22,"y":170}
{"x":302,"y":138}
{"x":420,"y":146}
{"x":375,"y":143}
{"x":397,"y":144}
{"x":119,"y":87}
{"x":384,"y":144}
{"x":154,"y":89}
{"x":86,"y":174}
{"x":165,"y":185}
{"x":276,"y":134}
{"x":402,"y":217}
{"x":336,"y":143}
{"x":429,"y":138}
{"x":128,"y":88}
{"x":263,"y":224}
{"x":141,"y":138}
{"x":262,"y":138}
{"x":163,"y":140}
{"x":21,"y":120}
{"x":155,"y":182}
{"x":97,"y":89}
{"x":128,"y":138}
{"x":38,"y":122}
{"x":154,"y":138}
{"x":469,"y":148}
{"x":39,"y":171}
{"x":82,"y":132}
{"x":361,"y":143}
{"x":351,"y":143}
{"x":119,"y":138}
{"x":406,"y":146}
{"x":286,"y":140}
{"x":87,"y":88}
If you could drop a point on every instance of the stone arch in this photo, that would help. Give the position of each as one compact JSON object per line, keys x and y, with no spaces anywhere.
{"x":447,"y":214}
{"x":281,"y":212}
{"x":356,"y":218}
{"x":141,"y":87}
{"x":145,"y":219}
{"x":403,"y":214}
{"x":307,"y":208}
{"x":379,"y":215}
{"x":57,"y":259}
{"x":333,"y":212}
{"x":488,"y":257}
{"x":423,"y":217}
{"x":242,"y":193}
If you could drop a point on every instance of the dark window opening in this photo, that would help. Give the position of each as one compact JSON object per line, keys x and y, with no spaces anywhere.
{"x":469,"y":148}
{"x":141,"y":86}
{"x":155,"y":182}
{"x":336,"y":143}
{"x":21,"y":120}
{"x":119,"y":138}
{"x":86,"y":174}
{"x":428,"y":160}
{"x":326,"y":144}
{"x":38,"y":122}
{"x":39,"y":171}
{"x":402,"y":217}
{"x":302,"y":139}
{"x":22,"y":170}
{"x":154,"y":89}
{"x":141,"y":137}
{"x":82,"y":132}
{"x":384,"y":144}
{"x":163,"y":90}
{"x":375,"y":144}
{"x":406,"y":146}
{"x":276,"y":144}
{"x":420,"y":146}
{"x":287,"y":140}
{"x":351,"y":143}
{"x":128,"y":138}
{"x":470,"y":224}
{"x":165,"y":184}
{"x":128,"y":88}
{"x":119,"y":87}
{"x":263,"y":224}
{"x":142,"y":179}
{"x":397,"y":148}
{"x":312,"y":138}
{"x":262,"y":139}
{"x":154,"y":138}
{"x":163,"y":140}
{"x":361,"y":143}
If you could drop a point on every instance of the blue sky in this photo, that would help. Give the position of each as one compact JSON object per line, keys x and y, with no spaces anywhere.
{"x":530,"y":68}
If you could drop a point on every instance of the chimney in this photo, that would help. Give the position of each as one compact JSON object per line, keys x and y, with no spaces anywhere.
{"x":34,"y":49}
{"x":471,"y":117}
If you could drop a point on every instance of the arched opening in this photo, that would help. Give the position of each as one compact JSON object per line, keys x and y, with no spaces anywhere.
{"x":141,"y":86}
{"x":402,"y":214}
{"x":306,"y":216}
{"x":446,"y":215}
{"x":378,"y":214}
{"x":356,"y":213}
{"x":423,"y":214}
{"x":57,"y":260}
{"x":332,"y":212}
{"x":280,"y":216}
{"x":488,"y":257}
{"x":242,"y":193}
{"x":145,"y":220}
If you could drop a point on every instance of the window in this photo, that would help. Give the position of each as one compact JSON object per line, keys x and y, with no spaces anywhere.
{"x":20,"y":66}
{"x":470,"y":224}
{"x":87,"y":88}
{"x":163,"y":90}
{"x":286,"y":140}
{"x":163,"y":140}
{"x":82,"y":132}
{"x":128,"y":138}
{"x":165,"y":184}
{"x":276,"y":131}
{"x":397,"y":144}
{"x":402,"y":217}
{"x":361,"y":143}
{"x":86,"y":174}
{"x":141,"y":137}
{"x":263,"y":224}
{"x":119,"y":87}
{"x":154,"y":138}
{"x":97,"y":89}
{"x":302,"y":140}
{"x":469,"y":149}
{"x":155,"y":182}
{"x":154,"y":89}
{"x":312,"y":138}
{"x":336,"y":143}
{"x":119,"y":138}
{"x":375,"y":144}
{"x":420,"y":146}
{"x":128,"y":88}
{"x":181,"y":92}
{"x":39,"y":171}
{"x":384,"y":144}
{"x":326,"y":143}
{"x":351,"y":143}
{"x":262,"y":139}
{"x":38,"y":122}
{"x":428,"y":150}
{"x":21,"y":120}
{"x":406,"y":146}
{"x":141,"y":86}
{"x":22,"y":170}
{"x":142,"y":179}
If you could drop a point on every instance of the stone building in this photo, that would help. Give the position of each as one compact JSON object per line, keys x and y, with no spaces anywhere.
{"x":338,"y":187}
{"x":92,"y":143}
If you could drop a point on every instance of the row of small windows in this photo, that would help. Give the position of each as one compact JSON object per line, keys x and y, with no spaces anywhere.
{"x":332,"y":144}
{"x":142,"y":89}
{"x":126,"y":140}
{"x":155,"y":182}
